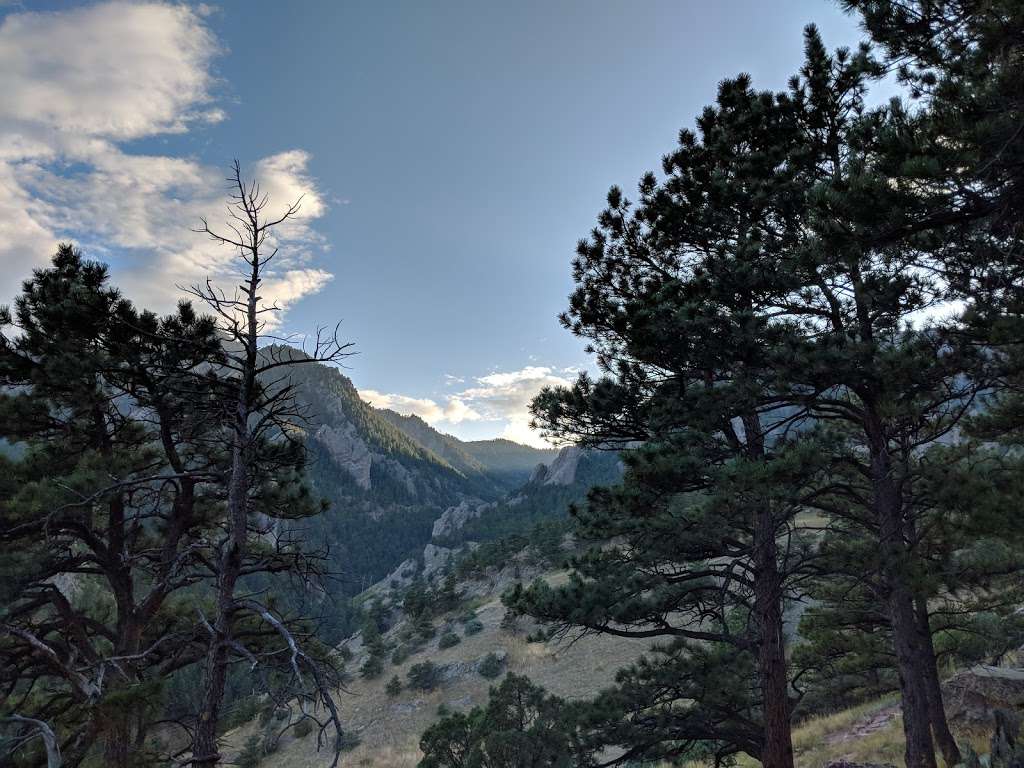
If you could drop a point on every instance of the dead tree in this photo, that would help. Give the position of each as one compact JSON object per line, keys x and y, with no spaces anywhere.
{"x":258,"y":419}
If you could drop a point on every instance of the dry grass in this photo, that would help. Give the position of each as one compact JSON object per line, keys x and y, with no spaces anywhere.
{"x":390,"y":727}
{"x":847,"y":735}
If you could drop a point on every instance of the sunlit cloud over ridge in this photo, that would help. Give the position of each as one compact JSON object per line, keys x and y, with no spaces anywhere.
{"x":500,"y":396}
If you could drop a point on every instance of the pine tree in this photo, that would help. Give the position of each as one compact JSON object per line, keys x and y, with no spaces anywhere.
{"x":522,"y":725}
{"x":814,"y":230}
{"x":110,"y":506}
{"x":672,"y":296}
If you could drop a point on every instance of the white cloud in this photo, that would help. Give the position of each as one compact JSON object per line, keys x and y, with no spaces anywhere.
{"x":454,"y":411}
{"x":77,"y":85}
{"x":501,"y":397}
{"x":506,"y":396}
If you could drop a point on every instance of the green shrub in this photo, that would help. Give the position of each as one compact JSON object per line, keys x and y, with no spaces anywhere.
{"x":242,"y":712}
{"x":372,"y":667}
{"x":510,"y":622}
{"x":394,"y":686}
{"x":424,"y":629}
{"x":448,"y":640}
{"x":473,"y":627}
{"x":266,"y":714}
{"x":270,"y":743}
{"x":540,"y":636}
{"x":401,"y":653}
{"x":424,"y":676}
{"x":490,"y":666}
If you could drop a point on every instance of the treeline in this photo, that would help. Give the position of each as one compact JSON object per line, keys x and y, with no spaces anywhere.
{"x":809,"y":329}
{"x":148,"y":517}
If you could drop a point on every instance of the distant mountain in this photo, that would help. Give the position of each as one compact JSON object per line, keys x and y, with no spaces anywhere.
{"x":507,"y":463}
{"x":513,"y":462}
{"x":388,"y":478}
{"x":544,"y":499}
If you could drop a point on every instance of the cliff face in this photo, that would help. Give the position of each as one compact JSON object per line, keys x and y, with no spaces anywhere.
{"x":562,"y":470}
{"x":347,"y":450}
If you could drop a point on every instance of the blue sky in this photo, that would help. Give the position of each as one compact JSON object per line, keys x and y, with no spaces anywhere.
{"x":452,"y":153}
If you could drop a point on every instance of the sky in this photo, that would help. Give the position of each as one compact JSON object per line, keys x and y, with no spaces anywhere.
{"x":450,"y":155}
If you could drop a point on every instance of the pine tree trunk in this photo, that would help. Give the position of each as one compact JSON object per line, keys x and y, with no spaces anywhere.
{"x":117,"y":744}
{"x":920,"y":751}
{"x":774,"y":679}
{"x":936,"y":709}
{"x":910,"y":656}
{"x":773,"y":675}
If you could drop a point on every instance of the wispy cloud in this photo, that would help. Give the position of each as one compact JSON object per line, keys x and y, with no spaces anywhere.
{"x":77,"y":86}
{"x":502,"y":396}
{"x":453,"y":411}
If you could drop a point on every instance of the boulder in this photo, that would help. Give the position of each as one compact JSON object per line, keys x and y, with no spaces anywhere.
{"x":973,"y":696}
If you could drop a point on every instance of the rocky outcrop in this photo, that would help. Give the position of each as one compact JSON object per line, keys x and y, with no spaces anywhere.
{"x":562,"y":471}
{"x":972,"y":697}
{"x":348,"y":450}
{"x":435,"y":558}
{"x":454,"y":518}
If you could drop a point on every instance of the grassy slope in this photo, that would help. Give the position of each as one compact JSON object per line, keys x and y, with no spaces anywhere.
{"x":389,"y":727}
{"x":869,"y":733}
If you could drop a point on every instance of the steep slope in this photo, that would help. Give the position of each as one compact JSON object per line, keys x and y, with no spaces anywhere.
{"x":507,"y":464}
{"x":479,"y":549}
{"x":388,"y":727}
{"x":443,"y":445}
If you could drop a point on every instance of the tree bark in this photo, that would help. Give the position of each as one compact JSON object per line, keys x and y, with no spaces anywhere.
{"x":205,"y":752}
{"x":773,"y":676}
{"x":772,"y":671}
{"x":936,"y":708}
{"x":910,"y":656}
{"x":117,"y":739}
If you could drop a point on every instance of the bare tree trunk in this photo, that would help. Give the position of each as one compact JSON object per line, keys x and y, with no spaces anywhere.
{"x":944,"y":738}
{"x":774,"y":679}
{"x":771,"y":651}
{"x":205,"y":750}
{"x":910,"y":656}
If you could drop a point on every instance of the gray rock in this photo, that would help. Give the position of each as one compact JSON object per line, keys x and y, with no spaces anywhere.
{"x":454,"y":518}
{"x":348,"y":451}
{"x":435,"y":558}
{"x":406,"y":707}
{"x":562,"y":470}
{"x":973,"y":696}
{"x":453,"y":671}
